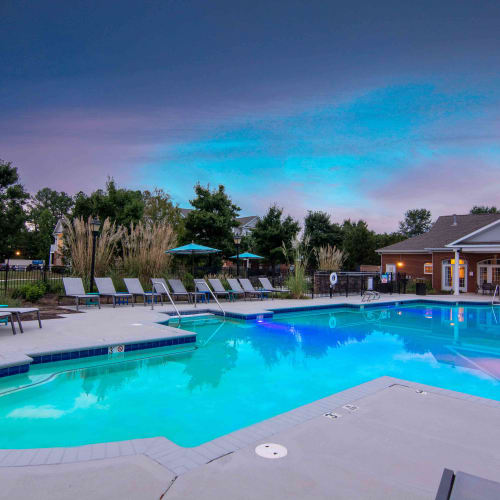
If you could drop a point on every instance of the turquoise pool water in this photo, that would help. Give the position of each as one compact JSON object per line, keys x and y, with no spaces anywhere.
{"x":244,"y":372}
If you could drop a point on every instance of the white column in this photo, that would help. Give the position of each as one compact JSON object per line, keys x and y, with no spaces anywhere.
{"x":456,"y":273}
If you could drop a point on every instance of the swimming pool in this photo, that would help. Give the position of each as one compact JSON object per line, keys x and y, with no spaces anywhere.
{"x":243,"y":372}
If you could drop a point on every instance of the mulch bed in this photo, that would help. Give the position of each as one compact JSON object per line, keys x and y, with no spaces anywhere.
{"x":49,"y":309}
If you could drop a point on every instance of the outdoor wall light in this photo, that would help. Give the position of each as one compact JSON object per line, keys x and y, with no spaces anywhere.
{"x":400,"y":264}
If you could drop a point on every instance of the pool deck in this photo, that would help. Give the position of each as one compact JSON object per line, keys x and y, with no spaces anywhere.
{"x":394,"y":445}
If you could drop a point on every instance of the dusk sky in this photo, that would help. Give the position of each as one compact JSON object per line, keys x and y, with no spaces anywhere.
{"x":360,"y":109}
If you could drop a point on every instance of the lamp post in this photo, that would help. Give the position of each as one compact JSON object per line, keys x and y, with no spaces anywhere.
{"x":237,"y":241}
{"x":95,"y":224}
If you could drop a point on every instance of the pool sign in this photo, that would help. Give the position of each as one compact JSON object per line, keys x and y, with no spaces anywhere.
{"x":116,"y":349}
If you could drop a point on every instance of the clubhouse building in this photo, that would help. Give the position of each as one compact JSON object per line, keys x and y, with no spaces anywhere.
{"x":463,"y":246}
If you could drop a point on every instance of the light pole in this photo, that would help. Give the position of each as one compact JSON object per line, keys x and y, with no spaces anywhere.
{"x":237,"y":241}
{"x":95,"y":224}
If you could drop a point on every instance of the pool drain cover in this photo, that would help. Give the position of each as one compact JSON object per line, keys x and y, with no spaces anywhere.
{"x":271,"y":450}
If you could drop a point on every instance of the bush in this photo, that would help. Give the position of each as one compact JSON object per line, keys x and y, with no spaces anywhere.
{"x":32,"y":292}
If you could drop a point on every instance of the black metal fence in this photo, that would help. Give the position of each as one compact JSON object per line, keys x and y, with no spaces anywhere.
{"x":14,"y":278}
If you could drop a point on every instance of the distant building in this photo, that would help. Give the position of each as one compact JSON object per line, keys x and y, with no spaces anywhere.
{"x":56,"y":249}
{"x":466,"y":247}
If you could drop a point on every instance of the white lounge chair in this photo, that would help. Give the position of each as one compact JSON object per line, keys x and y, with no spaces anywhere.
{"x":219,"y":289}
{"x":107,"y":289}
{"x":8,"y":317}
{"x":266,"y":284}
{"x":74,"y":288}
{"x":19,"y":311}
{"x":249,"y":289}
{"x":134,"y":287}
{"x":179,"y":290}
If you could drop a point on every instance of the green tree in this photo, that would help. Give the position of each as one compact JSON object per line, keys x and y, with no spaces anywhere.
{"x":320,"y":231}
{"x":272,"y":232}
{"x":212,"y":221}
{"x":359,"y":244}
{"x":122,"y":206}
{"x":12,"y":214}
{"x":159,"y":207}
{"x":46,"y":208}
{"x":417,"y":221}
{"x":483,"y":209}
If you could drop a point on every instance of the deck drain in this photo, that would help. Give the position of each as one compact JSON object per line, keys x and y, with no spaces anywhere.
{"x":271,"y":450}
{"x":350,"y":407}
{"x":332,"y":416}
{"x":420,"y":391}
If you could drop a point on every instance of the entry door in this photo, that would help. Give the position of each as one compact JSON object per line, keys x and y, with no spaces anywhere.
{"x":448,"y":270}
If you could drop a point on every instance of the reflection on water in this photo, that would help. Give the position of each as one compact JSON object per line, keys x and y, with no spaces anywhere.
{"x":244,"y":372}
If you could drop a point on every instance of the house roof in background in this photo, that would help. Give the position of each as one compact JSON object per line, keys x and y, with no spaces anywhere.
{"x":443,"y":232}
{"x":242,"y":220}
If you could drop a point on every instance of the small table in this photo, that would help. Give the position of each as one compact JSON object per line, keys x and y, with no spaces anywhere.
{"x":92,"y":301}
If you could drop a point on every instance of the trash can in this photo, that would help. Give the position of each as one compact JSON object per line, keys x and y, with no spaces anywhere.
{"x":421,"y":289}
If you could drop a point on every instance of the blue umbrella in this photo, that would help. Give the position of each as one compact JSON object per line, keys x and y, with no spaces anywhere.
{"x":192,"y":249}
{"x":246,"y":255}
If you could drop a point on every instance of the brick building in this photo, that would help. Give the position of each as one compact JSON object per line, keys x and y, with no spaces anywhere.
{"x":467,"y":246}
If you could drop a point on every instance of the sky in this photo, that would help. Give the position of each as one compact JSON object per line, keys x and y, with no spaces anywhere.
{"x":361,"y":109}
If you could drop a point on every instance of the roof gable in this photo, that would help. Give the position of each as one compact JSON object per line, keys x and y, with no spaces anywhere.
{"x":446,"y":230}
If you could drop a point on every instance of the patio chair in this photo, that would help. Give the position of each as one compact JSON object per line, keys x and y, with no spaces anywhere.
{"x":134,"y":287}
{"x":179,"y":290}
{"x":107,"y":289}
{"x":202,"y":287}
{"x":73,"y":287}
{"x":460,"y":485}
{"x":266,"y":284}
{"x":236,"y":287}
{"x":250,"y":290}
{"x":18,"y":311}
{"x":219,"y":289}
{"x":7,"y":316}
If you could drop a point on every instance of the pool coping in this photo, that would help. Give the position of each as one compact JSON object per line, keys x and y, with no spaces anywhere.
{"x":179,"y":460}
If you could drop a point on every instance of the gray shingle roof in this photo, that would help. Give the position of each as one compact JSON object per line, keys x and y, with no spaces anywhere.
{"x":443,"y":232}
{"x":242,"y":220}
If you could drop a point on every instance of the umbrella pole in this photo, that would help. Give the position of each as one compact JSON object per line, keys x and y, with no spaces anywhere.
{"x":192,"y":270}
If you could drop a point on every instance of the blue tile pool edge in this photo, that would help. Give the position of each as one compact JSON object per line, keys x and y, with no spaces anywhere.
{"x":179,"y":460}
{"x":23,"y":367}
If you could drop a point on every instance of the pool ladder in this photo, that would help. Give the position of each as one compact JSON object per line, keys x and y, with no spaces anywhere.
{"x":160,"y":288}
{"x":497,"y":292}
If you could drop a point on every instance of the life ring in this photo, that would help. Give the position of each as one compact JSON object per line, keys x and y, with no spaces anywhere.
{"x":333,"y":279}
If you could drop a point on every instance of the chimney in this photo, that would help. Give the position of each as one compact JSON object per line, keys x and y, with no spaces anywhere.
{"x":454,"y":220}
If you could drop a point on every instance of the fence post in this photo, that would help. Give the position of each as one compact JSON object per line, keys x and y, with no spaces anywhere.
{"x":6,"y":277}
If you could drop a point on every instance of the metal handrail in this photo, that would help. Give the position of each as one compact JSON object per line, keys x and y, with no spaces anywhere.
{"x":169,"y":297}
{"x":497,"y":289}
{"x":215,"y":298}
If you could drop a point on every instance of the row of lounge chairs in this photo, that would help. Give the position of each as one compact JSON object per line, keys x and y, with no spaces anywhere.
{"x":239,"y":288}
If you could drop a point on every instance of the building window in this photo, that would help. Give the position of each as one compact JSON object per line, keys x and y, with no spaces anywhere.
{"x":428,"y":268}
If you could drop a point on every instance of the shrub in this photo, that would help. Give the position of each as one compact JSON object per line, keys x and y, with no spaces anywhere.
{"x":330,"y":258}
{"x":33,"y":292}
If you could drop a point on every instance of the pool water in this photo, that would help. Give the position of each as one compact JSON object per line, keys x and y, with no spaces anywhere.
{"x":245,"y":371}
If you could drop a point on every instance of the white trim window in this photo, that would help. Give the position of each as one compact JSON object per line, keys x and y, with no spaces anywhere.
{"x":488,"y":271}
{"x":447,"y":274}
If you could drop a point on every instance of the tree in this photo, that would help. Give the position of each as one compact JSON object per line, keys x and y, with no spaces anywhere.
{"x":12,"y":214}
{"x":212,"y":221}
{"x":483,"y":209}
{"x":319,"y":231}
{"x":46,"y":208}
{"x":417,"y":221}
{"x":272,"y":232}
{"x":359,"y":244}
{"x":159,"y":208}
{"x":385,"y":239}
{"x":122,"y":206}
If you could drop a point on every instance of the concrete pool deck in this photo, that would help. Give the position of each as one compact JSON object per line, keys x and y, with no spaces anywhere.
{"x":322,"y":462}
{"x":394,"y":444}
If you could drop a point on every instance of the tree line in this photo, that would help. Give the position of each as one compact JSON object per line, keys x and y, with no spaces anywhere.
{"x":27,"y":221}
